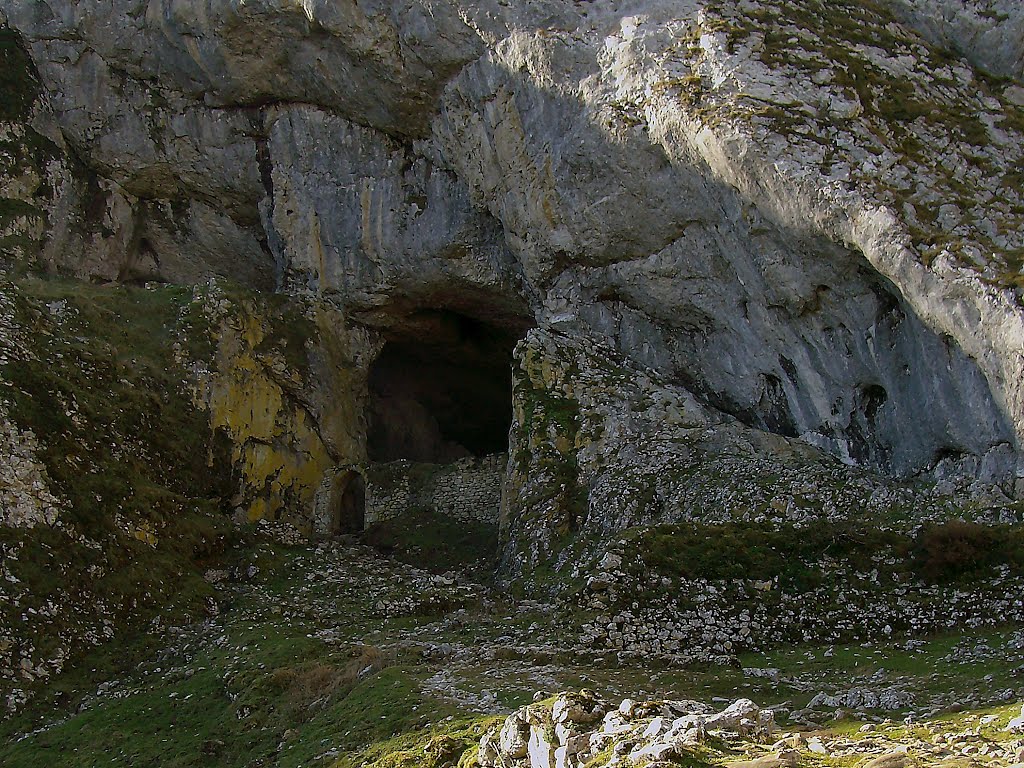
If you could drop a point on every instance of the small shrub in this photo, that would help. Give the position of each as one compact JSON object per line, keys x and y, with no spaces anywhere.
{"x":304,"y":688}
{"x":308,"y":688}
{"x":959,"y":549}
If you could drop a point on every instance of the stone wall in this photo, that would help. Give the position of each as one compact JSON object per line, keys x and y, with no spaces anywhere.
{"x":725,"y":616}
{"x":467,"y":490}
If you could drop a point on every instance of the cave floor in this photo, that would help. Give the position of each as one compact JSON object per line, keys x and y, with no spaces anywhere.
{"x":335,"y":655}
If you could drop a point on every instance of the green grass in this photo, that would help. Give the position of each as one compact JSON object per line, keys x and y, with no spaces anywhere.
{"x":11,"y":209}
{"x":806,"y":669}
{"x":407,"y":745}
{"x":258,"y":690}
{"x":126,"y":449}
{"x":950,"y":552}
{"x":435,"y":542}
{"x":231,"y":711}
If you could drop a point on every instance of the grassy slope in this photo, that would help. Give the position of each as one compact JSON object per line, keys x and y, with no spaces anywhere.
{"x":256,"y":688}
{"x":96,"y":381}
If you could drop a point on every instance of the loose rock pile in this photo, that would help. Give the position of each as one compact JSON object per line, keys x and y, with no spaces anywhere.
{"x":575,"y":728}
{"x":581,"y":729}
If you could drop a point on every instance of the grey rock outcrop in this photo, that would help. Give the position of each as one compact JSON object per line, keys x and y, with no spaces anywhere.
{"x":579,"y":729}
{"x":359,"y":217}
{"x":990,"y":33}
{"x":799,"y":219}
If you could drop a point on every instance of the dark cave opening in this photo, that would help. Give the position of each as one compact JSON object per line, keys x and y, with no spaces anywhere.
{"x":441,"y":389}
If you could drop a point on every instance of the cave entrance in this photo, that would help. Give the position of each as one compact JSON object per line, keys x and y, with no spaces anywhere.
{"x":349,"y":513}
{"x":441,"y":388}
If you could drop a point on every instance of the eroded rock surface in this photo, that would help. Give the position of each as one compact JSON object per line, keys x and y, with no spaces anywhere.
{"x":752,"y":253}
{"x":783,"y":207}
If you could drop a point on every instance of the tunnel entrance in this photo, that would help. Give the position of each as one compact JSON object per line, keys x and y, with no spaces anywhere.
{"x":441,"y":389}
{"x":349,"y":513}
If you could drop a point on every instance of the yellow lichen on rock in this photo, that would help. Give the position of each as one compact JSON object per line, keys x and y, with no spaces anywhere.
{"x":277,"y":449}
{"x":146,"y":535}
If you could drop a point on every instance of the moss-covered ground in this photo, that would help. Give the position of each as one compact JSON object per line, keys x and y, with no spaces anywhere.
{"x":307,"y":665}
{"x":142,"y":482}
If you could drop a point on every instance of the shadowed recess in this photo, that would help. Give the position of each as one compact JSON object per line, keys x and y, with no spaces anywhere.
{"x":441,"y":389}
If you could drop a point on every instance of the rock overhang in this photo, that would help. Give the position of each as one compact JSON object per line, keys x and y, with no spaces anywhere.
{"x":617,"y":184}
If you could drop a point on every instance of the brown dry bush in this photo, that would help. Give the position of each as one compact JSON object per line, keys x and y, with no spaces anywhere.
{"x":367,"y":660}
{"x":958,"y":548}
{"x":310,"y":687}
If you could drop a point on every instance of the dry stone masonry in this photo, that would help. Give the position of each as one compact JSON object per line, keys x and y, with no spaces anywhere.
{"x":468,"y":490}
{"x":732,"y":616}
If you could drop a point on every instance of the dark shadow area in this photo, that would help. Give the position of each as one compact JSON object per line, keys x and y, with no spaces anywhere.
{"x":350,"y":509}
{"x":441,"y":389}
{"x":436,"y":543}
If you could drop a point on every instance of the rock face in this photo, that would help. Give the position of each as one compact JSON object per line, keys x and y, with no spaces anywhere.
{"x":739,"y":229}
{"x":989,"y":33}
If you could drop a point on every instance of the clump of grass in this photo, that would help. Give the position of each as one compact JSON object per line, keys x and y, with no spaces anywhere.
{"x":310,"y":687}
{"x":453,"y":744}
{"x":268,"y":694}
{"x":951,"y":551}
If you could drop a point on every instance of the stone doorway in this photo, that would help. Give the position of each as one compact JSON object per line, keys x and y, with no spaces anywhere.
{"x":340,"y":503}
{"x":350,"y":511}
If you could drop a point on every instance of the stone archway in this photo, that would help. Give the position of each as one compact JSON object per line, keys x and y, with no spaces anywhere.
{"x":350,"y":510}
{"x":340,"y":503}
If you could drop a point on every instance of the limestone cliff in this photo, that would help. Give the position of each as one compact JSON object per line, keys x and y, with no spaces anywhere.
{"x":785,"y":224}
